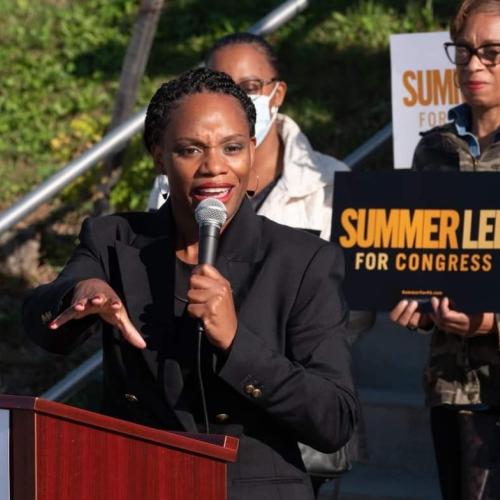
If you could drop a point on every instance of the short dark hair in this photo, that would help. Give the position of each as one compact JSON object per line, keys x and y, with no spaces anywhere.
{"x":244,"y":38}
{"x":194,"y":81}
{"x":466,"y":9}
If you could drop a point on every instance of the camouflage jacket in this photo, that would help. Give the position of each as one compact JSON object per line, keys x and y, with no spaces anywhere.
{"x":460,"y":371}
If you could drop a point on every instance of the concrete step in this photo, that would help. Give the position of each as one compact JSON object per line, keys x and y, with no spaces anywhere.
{"x":387,"y":364}
{"x":369,"y":482}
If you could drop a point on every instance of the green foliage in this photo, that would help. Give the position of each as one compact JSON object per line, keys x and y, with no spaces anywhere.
{"x":369,"y":24}
{"x":60,"y":62}
{"x":132,"y":191}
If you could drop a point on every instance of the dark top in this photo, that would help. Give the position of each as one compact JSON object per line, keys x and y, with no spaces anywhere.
{"x":287,"y":375}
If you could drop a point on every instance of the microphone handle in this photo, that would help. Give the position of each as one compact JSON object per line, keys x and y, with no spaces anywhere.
{"x":207,"y":251}
{"x":208,"y":241}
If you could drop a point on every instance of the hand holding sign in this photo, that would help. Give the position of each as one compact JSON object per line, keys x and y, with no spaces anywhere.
{"x":415,"y":235}
{"x":444,"y":317}
{"x":406,"y":314}
{"x":459,"y":323}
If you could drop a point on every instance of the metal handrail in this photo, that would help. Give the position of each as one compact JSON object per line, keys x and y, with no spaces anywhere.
{"x":118,"y":137}
{"x":74,"y":379}
{"x":278,"y":17}
{"x":367,"y":148}
{"x":111,"y":143}
{"x":80,"y":374}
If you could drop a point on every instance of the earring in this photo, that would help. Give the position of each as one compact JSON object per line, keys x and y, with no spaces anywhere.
{"x":251,"y":192}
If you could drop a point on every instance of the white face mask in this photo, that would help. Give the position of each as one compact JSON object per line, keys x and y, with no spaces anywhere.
{"x":265,"y":116}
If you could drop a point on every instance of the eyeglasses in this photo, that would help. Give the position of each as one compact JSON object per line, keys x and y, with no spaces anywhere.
{"x":460,"y":54}
{"x":254,"y":86}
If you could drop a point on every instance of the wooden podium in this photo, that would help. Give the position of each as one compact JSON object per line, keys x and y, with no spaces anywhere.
{"x":53,"y":451}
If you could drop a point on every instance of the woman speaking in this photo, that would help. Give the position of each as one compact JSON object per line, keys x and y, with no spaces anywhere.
{"x":274,"y":361}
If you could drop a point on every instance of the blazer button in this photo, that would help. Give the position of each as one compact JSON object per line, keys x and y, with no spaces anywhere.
{"x":249,"y":388}
{"x":131,"y":398}
{"x":221,"y":418}
{"x":256,"y":393}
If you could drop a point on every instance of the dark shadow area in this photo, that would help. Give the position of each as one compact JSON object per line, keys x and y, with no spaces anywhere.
{"x":27,"y":255}
{"x":25,"y":368}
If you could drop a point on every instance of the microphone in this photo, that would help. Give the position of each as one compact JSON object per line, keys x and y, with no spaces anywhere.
{"x":210,"y":216}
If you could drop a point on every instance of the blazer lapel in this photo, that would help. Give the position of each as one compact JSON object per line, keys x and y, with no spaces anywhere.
{"x":147,"y":272}
{"x":240,"y":249}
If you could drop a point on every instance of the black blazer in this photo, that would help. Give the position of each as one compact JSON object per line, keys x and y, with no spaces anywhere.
{"x":287,"y":375}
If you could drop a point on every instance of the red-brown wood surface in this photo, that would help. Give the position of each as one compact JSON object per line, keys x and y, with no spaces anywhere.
{"x":212,"y":445}
{"x":82,"y":455}
{"x":102,"y":465}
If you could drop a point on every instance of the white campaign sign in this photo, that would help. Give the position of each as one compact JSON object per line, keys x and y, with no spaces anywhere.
{"x":4,"y":456}
{"x":423,"y":89}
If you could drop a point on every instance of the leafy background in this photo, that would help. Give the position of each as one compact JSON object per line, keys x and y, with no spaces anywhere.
{"x":60,"y":62}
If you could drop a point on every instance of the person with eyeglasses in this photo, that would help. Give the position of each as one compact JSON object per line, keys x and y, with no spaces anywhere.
{"x":462,"y":378}
{"x":291,"y":183}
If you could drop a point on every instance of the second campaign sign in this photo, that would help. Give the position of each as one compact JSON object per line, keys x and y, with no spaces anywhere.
{"x":413,"y":235}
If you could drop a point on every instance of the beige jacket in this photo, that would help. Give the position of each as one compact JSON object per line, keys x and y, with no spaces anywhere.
{"x":303,"y":195}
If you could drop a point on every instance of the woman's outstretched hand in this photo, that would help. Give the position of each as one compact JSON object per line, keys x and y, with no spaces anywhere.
{"x":211,"y":301}
{"x":95,"y":296}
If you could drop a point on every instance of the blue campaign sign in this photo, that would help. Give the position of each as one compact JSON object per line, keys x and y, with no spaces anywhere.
{"x":414,"y":235}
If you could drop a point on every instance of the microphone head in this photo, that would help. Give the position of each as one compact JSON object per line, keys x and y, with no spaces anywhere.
{"x":210,"y":211}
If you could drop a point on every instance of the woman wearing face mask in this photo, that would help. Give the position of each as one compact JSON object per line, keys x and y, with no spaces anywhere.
{"x":462,"y":379}
{"x":274,"y":361}
{"x":292,"y":183}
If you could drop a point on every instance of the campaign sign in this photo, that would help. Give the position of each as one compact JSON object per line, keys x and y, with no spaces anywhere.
{"x":423,"y":89}
{"x":415,"y":235}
